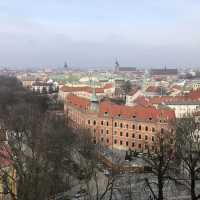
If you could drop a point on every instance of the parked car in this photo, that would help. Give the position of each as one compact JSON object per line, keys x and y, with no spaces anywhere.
{"x":106,"y":172}
{"x":80,"y":193}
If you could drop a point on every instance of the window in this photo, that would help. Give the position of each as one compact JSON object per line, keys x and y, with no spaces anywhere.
{"x":140,"y":127}
{"x":88,"y":121}
{"x":121,"y":142}
{"x":115,"y":124}
{"x":107,"y":123}
{"x":153,"y":129}
{"x":133,"y":135}
{"x":127,"y":134}
{"x":115,"y":141}
{"x":101,"y":131}
{"x":94,"y":122}
{"x":107,"y":131}
{"x":139,"y":146}
{"x":115,"y":132}
{"x":102,"y":139}
{"x":140,"y":136}
{"x":126,"y":125}
{"x":126,"y":143}
{"x":146,"y":146}
{"x":146,"y":137}
{"x":101,"y":122}
{"x":152,"y":148}
{"x":121,"y":134}
{"x":134,"y":116}
{"x":107,"y":140}
{"x":133,"y":126}
{"x":121,"y":125}
{"x":152,"y":138}
{"x":162,"y":130}
{"x":133,"y":144}
{"x":94,"y":130}
{"x":146,"y":128}
{"x":150,"y":118}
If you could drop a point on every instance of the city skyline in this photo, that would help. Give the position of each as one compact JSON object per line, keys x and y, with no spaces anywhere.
{"x":93,"y":33}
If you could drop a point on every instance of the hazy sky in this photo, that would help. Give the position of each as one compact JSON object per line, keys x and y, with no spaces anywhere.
{"x":91,"y":33}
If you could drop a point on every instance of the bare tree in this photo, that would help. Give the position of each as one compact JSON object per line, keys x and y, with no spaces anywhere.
{"x":188,"y":152}
{"x":126,"y":88}
{"x":39,"y":145}
{"x":161,"y":163}
{"x":98,"y":185}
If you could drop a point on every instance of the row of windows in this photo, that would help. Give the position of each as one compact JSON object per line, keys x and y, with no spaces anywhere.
{"x":127,"y":143}
{"x":127,"y":135}
{"x":121,"y":125}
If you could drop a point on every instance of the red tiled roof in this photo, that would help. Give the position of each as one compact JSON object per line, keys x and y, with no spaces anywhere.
{"x":165,"y":99}
{"x":138,"y":112}
{"x":153,"y":89}
{"x":192,"y":96}
{"x":108,"y":86}
{"x":195,"y":95}
{"x":79,"y":89}
{"x":176,"y":87}
{"x":78,"y":102}
{"x":141,"y":100}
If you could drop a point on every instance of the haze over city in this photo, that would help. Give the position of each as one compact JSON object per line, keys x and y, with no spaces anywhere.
{"x":145,"y":33}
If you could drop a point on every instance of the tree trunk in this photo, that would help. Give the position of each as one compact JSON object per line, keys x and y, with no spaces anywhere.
{"x":160,"y":188}
{"x":192,"y":185}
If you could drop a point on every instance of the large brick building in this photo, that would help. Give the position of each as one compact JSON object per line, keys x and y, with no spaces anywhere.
{"x":120,"y":126}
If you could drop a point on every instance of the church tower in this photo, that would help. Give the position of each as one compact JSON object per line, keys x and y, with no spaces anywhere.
{"x":116,"y":66}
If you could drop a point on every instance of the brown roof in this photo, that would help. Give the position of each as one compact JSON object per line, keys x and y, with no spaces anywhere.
{"x":78,"y":102}
{"x":153,"y":89}
{"x":164,"y":71}
{"x":113,"y":110}
{"x":138,"y":112}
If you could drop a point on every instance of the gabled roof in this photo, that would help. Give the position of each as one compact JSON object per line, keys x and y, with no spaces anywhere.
{"x":137,"y":112}
{"x":78,"y":102}
{"x":108,"y":86}
{"x":164,"y":71}
{"x":154,"y":89}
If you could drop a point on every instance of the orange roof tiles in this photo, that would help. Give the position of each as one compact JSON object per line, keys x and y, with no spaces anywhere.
{"x":195,"y":95}
{"x":141,"y":100}
{"x":114,"y":110}
{"x":153,"y":89}
{"x":138,"y":112}
{"x":192,"y":96}
{"x":78,"y":102}
{"x":166,"y":99}
{"x":108,"y":86}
